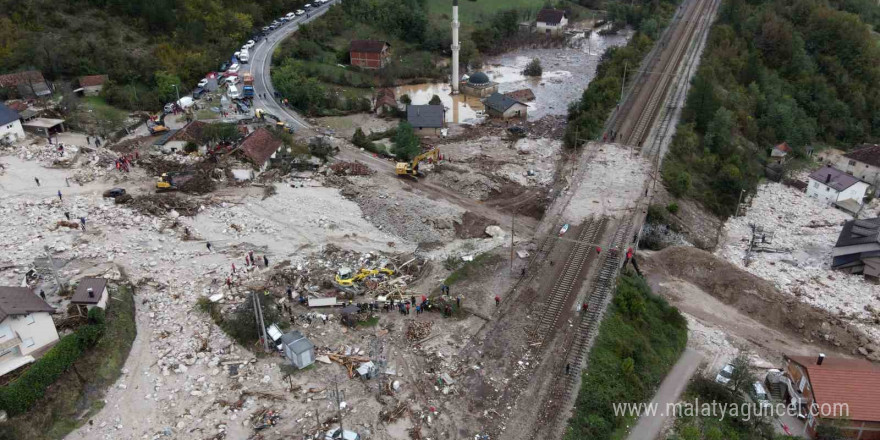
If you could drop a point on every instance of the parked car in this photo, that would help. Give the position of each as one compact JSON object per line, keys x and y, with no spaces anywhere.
{"x":223,"y":67}
{"x":249,"y":44}
{"x":233,"y":69}
{"x":340,"y":434}
{"x":230,"y":80}
{"x":760,"y":395}
{"x":114,"y":192}
{"x":290,"y":16}
{"x":233,"y":93}
{"x":724,"y":375}
{"x":307,"y":6}
{"x":202,"y":83}
{"x":266,"y":29}
{"x":198,"y":92}
{"x":300,"y":12}
{"x":169,"y":107}
{"x":237,"y":54}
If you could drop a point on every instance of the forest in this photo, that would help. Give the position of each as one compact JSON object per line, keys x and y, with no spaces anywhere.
{"x":805,"y":72}
{"x":142,"y":45}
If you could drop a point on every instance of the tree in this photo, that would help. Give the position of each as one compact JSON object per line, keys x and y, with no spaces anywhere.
{"x":435,"y":100}
{"x":406,"y":143}
{"x":108,"y":120}
{"x":221,"y":132}
{"x":405,"y":99}
{"x":165,"y":85}
{"x":743,"y":374}
{"x":534,"y":68}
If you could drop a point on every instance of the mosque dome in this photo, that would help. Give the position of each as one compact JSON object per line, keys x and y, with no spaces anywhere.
{"x":478,"y":78}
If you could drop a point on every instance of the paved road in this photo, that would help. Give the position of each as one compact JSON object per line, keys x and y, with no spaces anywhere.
{"x":669,"y":392}
{"x":262,"y":61}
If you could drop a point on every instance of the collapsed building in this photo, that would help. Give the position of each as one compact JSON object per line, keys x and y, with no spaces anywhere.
{"x":857,"y":250}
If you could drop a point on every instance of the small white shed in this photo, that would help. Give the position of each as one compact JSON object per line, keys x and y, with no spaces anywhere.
{"x":298,"y":349}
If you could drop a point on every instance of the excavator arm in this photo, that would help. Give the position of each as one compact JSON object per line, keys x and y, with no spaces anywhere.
{"x":412,"y":168}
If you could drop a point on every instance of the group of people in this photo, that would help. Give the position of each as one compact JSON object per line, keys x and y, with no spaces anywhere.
{"x":250,"y":261}
{"x":97,"y":140}
{"x":124,"y":163}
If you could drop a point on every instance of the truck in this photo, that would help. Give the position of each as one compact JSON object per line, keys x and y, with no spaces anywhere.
{"x":248,"y":89}
{"x":244,"y":56}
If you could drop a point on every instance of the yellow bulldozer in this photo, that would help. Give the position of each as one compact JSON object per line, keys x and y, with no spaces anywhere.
{"x":411,"y":168}
{"x":345,"y":277}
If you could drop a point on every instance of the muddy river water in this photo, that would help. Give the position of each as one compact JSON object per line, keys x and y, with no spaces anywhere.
{"x":567,"y":72}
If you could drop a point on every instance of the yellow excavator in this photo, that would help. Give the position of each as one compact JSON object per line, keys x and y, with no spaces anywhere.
{"x":411,"y":168}
{"x":345,"y":277}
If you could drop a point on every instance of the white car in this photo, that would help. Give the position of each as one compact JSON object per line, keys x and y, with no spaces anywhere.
{"x":760,"y":395}
{"x":307,"y":6}
{"x":237,"y":54}
{"x":724,"y":375}
{"x":300,"y":12}
{"x":233,"y":68}
{"x":233,"y":93}
{"x":290,"y":16}
{"x":230,"y":80}
{"x":203,"y":82}
{"x":339,"y":434}
{"x":248,"y":45}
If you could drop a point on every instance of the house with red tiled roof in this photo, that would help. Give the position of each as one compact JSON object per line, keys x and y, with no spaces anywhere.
{"x":260,"y":146}
{"x":91,"y":85}
{"x":27,"y":84}
{"x":369,"y":54}
{"x":779,"y":152}
{"x":835,"y":390}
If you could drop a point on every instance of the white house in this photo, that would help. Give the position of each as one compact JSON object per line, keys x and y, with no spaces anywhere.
{"x":90,"y":293}
{"x":298,"y":349}
{"x":26,"y":326}
{"x":835,"y":187}
{"x":551,"y":21}
{"x":10,"y":125}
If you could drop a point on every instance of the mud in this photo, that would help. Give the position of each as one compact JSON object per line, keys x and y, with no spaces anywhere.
{"x":754,"y":297}
{"x":472,"y":225}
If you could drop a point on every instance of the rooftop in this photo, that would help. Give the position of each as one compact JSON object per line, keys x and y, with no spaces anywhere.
{"x":19,"y":78}
{"x":478,"y":78}
{"x":500,"y":103}
{"x":297,"y":342}
{"x":7,"y":115}
{"x":425,"y":116}
{"x":375,"y":46}
{"x":92,"y":80}
{"x":192,"y":132}
{"x":260,"y":145}
{"x":550,"y":16}
{"x":855,"y":382}
{"x":43,"y":122}
{"x":81,"y":296}
{"x":20,"y":301}
{"x":869,"y":154}
{"x":855,"y":232}
{"x":836,"y":179}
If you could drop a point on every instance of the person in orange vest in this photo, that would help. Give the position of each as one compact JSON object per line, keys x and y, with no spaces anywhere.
{"x":598,"y":250}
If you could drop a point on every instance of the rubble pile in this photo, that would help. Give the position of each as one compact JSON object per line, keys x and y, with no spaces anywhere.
{"x":800,"y":232}
{"x":344,"y":168}
{"x":160,"y":205}
{"x":418,"y":330}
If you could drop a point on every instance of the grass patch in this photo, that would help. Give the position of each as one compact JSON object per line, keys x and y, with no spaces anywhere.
{"x":470,"y":268}
{"x":640,"y":339}
{"x":80,"y":390}
{"x":368,"y":323}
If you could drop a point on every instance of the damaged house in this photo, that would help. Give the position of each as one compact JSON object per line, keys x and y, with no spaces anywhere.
{"x":857,"y":250}
{"x":26,"y":327}
{"x":260,"y":146}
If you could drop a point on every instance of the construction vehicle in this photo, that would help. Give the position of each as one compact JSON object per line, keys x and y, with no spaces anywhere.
{"x":411,"y":168}
{"x":156,"y":124}
{"x":173,"y":181}
{"x":284,"y":126}
{"x":263,"y":114}
{"x":345,"y":277}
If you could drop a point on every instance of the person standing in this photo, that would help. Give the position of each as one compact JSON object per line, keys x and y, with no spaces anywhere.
{"x":266,"y":261}
{"x":59,"y":196}
{"x":458,"y":302}
{"x":407,"y":308}
{"x":37,"y":180}
{"x":233,"y":267}
{"x":497,"y":300}
{"x":208,"y":244}
{"x":67,"y":215}
{"x":82,"y":223}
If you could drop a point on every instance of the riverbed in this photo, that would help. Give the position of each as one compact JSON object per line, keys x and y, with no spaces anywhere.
{"x":567,"y":72}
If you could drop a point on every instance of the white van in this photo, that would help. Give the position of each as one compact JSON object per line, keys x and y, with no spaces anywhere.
{"x":290,"y":16}
{"x":244,"y":56}
{"x":232,"y":92}
{"x":233,"y":68}
{"x":231,"y":80}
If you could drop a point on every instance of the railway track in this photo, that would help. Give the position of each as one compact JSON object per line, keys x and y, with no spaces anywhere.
{"x":602,"y":286}
{"x":646,"y":100}
{"x":567,"y":282}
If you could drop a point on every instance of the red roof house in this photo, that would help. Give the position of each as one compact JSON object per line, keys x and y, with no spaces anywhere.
{"x":369,"y":54}
{"x":260,"y":146}
{"x":838,"y":389}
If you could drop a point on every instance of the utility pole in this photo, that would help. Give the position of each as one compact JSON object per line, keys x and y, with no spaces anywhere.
{"x":512,"y":222}
{"x":338,"y":405}
{"x":739,"y":202}
{"x":623,"y":83}
{"x":52,"y":267}
{"x":258,"y":311}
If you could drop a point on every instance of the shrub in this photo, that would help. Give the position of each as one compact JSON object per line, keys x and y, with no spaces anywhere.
{"x":96,"y":316}
{"x":435,"y":100}
{"x":534,"y":68}
{"x":20,"y":395}
{"x":672,"y":208}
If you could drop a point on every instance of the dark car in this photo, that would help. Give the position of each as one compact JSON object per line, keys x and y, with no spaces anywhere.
{"x":114,"y":192}
{"x":198,"y":92}
{"x":223,"y":67}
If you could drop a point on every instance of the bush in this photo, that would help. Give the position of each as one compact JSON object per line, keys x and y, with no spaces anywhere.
{"x":534,"y":68}
{"x":672,"y":208}
{"x":435,"y":100}
{"x":406,"y":143}
{"x":20,"y":395}
{"x":240,"y":323}
{"x":96,"y":316}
